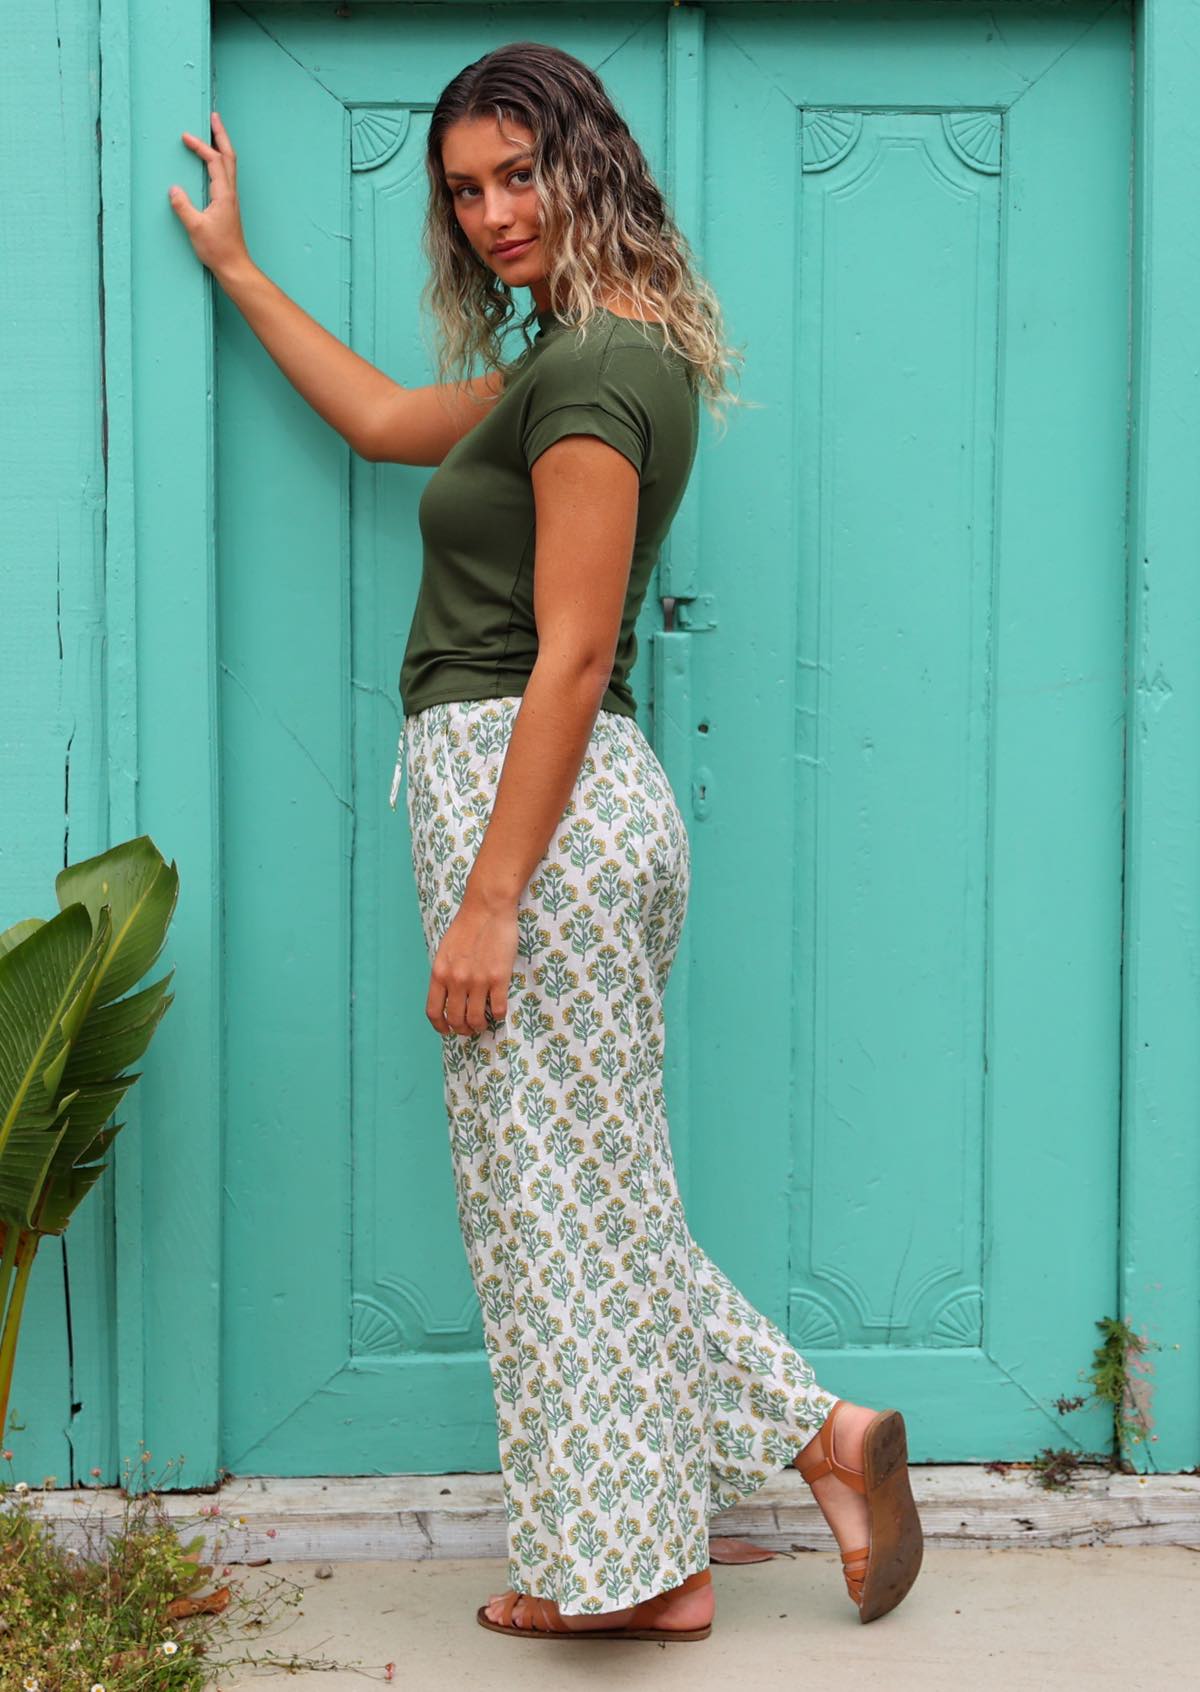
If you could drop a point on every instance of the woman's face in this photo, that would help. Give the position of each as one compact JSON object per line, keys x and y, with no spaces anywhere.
{"x":488,"y":171}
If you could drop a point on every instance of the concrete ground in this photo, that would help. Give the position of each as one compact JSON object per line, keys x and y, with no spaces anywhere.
{"x":1026,"y":1620}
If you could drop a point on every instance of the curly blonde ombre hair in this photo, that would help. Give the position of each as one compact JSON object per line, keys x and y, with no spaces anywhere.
{"x":603,"y":222}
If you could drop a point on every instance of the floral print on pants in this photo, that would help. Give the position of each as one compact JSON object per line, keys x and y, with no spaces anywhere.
{"x":637,"y":1392}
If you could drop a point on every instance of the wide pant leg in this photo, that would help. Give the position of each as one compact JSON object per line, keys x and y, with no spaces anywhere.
{"x":637,"y":1392}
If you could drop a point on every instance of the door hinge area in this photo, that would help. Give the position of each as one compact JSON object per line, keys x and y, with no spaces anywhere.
{"x":694,"y":612}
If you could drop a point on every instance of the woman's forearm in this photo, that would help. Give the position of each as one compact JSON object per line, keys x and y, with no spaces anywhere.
{"x":545,"y":754}
{"x":343,"y":388}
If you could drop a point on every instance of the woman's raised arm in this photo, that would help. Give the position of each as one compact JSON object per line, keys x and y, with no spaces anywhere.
{"x":377,"y":417}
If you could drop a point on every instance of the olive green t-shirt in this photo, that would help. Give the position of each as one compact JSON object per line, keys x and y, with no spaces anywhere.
{"x":473,"y":633}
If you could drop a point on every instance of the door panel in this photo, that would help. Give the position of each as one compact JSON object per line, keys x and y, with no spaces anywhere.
{"x":352,"y":1335}
{"x":923,"y":532}
{"x":895,"y":727}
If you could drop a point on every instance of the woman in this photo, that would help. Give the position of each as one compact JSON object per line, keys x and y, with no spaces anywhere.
{"x":637,"y":1392}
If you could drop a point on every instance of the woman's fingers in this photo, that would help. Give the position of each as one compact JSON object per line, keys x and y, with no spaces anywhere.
{"x":224,"y":144}
{"x":462,"y":1008}
{"x":215,"y":157}
{"x":181,"y":205}
{"x":475,"y":1011}
{"x":452,"y":1019}
{"x":209,"y":154}
{"x":437,"y":1006}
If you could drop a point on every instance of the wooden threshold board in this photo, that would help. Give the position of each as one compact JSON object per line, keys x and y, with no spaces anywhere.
{"x":462,"y":1515}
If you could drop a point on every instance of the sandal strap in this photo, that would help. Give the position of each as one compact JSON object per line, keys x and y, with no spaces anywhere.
{"x":540,"y":1615}
{"x":854,"y":1567}
{"x":812,"y":1464}
{"x":545,"y":1616}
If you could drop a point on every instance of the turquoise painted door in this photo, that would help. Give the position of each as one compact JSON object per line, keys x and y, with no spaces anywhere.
{"x":883,"y":664}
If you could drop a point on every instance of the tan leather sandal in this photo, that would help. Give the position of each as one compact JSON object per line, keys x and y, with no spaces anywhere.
{"x":545,"y":1622}
{"x":880,"y":1573}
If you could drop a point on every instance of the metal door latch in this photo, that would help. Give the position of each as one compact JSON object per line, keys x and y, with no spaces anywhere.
{"x":695,"y":612}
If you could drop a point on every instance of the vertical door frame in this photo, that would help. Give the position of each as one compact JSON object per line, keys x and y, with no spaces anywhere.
{"x":1160,"y":1060}
{"x":163,"y":725}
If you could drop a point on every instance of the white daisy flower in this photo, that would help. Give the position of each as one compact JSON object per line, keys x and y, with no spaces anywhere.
{"x":169,"y":1647}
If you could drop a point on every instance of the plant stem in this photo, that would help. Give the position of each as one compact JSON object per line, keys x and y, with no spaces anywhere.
{"x":23,"y":1246}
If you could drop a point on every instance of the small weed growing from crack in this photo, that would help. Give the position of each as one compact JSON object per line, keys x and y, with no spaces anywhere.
{"x":1116,"y":1379}
{"x":1055,"y":1470}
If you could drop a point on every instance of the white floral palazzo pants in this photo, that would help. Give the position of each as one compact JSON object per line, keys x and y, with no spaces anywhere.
{"x":637,"y":1392}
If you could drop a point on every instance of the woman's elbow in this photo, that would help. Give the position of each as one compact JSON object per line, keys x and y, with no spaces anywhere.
{"x":578,"y":665}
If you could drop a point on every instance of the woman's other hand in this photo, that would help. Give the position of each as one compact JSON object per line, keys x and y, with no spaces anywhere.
{"x":472,"y":971}
{"x":216,"y":232}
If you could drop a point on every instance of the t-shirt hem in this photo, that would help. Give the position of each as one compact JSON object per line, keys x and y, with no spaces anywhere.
{"x":501,"y":687}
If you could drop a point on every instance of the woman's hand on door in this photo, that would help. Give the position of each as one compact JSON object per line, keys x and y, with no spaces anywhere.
{"x":216,"y":232}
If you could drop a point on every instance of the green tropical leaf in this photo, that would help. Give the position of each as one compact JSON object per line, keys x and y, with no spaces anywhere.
{"x":140,"y":888}
{"x":66,"y":1035}
{"x":44,"y":984}
{"x":19,"y":931}
{"x":66,"y":1038}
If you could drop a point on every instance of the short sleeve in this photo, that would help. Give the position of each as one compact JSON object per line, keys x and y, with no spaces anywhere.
{"x":598,"y":391}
